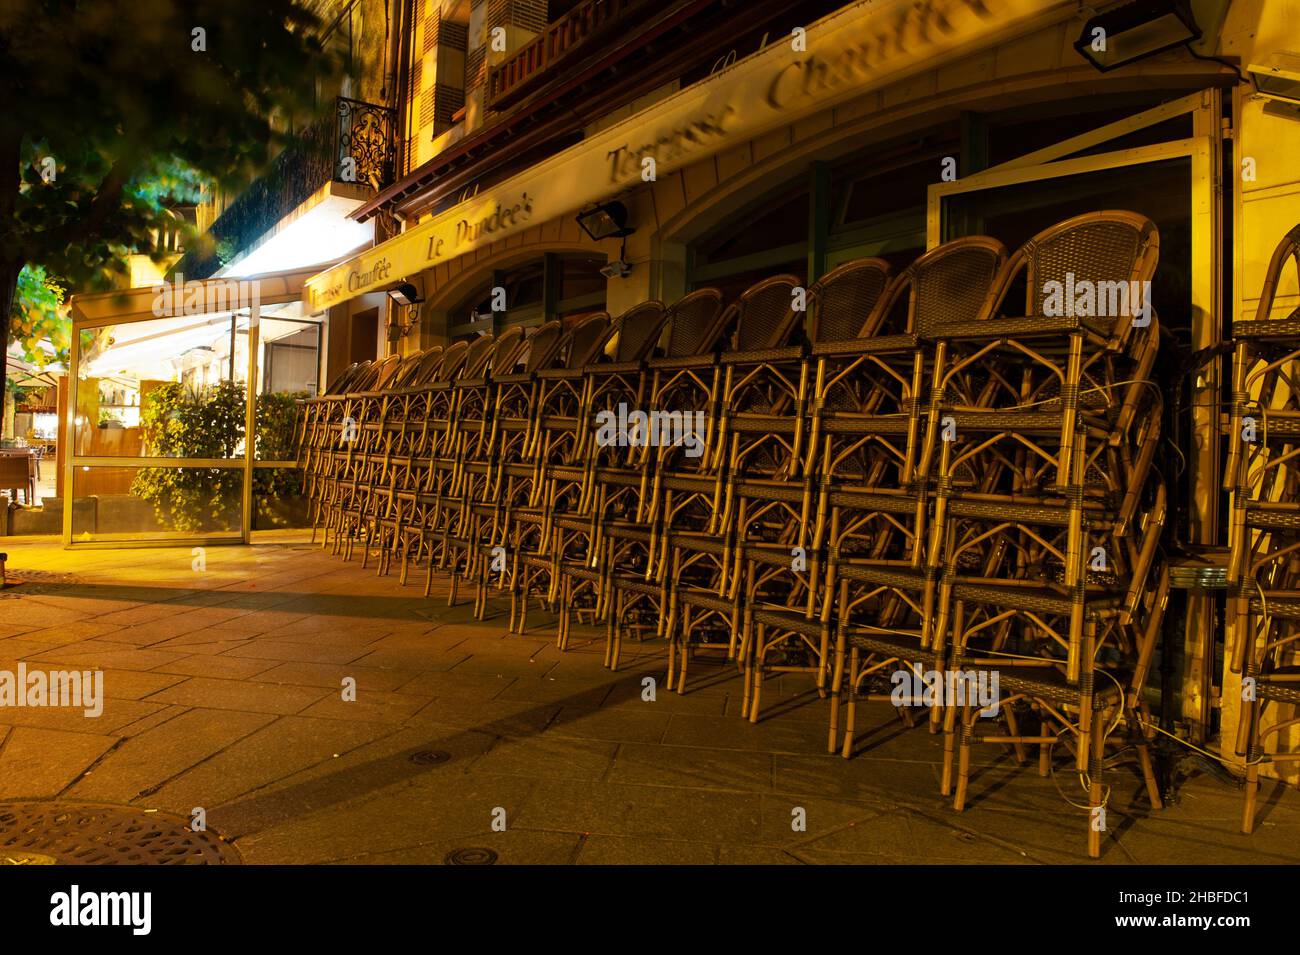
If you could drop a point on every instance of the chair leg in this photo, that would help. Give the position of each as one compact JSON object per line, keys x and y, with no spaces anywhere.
{"x":837,"y":682}
{"x":1144,"y":760}
{"x":949,"y":748}
{"x":1044,"y":749}
{"x":611,"y":618}
{"x":756,"y":654}
{"x":1097,"y":747}
{"x":963,"y":759}
{"x":1013,"y":729}
{"x":851,"y":716}
{"x":1252,"y":795}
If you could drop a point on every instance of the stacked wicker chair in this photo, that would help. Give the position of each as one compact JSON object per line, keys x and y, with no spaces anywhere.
{"x":881,"y":476}
{"x":1039,"y":438}
{"x":873,"y":504}
{"x":634,"y":482}
{"x":570,"y":461}
{"x":1263,"y":476}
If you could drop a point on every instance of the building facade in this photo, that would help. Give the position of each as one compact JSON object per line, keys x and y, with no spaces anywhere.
{"x":756,"y":139}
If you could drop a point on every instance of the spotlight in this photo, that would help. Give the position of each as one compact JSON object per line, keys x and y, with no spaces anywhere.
{"x":606,"y":220}
{"x":1278,"y":76}
{"x":1135,"y":31}
{"x":405,"y":294}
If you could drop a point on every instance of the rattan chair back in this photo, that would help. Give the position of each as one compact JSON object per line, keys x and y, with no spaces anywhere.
{"x":843,"y":301}
{"x":639,"y":329}
{"x":695,"y":323}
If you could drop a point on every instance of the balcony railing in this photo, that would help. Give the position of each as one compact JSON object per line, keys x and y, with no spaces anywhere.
{"x":517,"y":75}
{"x":353,"y":144}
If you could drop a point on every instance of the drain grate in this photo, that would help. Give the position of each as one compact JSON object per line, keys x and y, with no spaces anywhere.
{"x":430,"y":757}
{"x":470,"y":855}
{"x":79,"y":834}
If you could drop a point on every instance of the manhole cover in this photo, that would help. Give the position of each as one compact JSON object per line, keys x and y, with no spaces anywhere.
{"x":430,"y":757}
{"x":470,"y":855}
{"x":104,"y":835}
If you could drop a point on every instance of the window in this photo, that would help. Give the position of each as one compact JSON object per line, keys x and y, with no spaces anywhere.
{"x":535,"y":291}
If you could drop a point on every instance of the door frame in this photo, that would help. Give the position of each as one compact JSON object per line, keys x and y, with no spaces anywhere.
{"x":1204,"y":149}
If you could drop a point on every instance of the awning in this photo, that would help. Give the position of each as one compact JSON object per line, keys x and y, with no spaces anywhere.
{"x":186,"y":299}
{"x":859,"y":48}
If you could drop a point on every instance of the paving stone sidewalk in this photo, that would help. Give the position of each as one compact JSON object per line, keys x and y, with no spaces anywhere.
{"x":224,"y":691}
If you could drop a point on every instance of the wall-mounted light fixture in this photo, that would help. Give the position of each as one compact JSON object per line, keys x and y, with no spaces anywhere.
{"x":608,"y":220}
{"x":1135,"y":31}
{"x":1278,"y":76}
{"x":405,"y":297}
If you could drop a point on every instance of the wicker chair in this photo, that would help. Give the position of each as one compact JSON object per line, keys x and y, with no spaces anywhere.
{"x":570,"y":487}
{"x":1040,"y":432}
{"x":1263,"y":607}
{"x":872,"y":509}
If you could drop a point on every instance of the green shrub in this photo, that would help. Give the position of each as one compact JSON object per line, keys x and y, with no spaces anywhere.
{"x":182,"y":422}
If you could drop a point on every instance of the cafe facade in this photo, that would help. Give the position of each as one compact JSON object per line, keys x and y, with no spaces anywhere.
{"x":885,"y":129}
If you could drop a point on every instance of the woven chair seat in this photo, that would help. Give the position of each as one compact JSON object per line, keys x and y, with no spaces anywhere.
{"x":768,"y":554}
{"x":851,"y":422}
{"x":760,"y":355}
{"x":1288,"y":609}
{"x":626,"y":530}
{"x":1038,"y":421}
{"x":1270,"y":516}
{"x":759,"y":422}
{"x":906,"y":645}
{"x":708,"y":599}
{"x":786,"y":620}
{"x":1278,"y":424}
{"x":614,"y":368}
{"x":1022,"y":327}
{"x":881,"y":344}
{"x":558,"y":374}
{"x":579,"y":570}
{"x":635,"y":583}
{"x":697,"y":542}
{"x":886,"y":575}
{"x":1033,"y":599}
{"x":682,"y":363}
{"x":765,"y":490}
{"x":1052,"y":514}
{"x":1047,"y":683}
{"x":1282,"y":685}
{"x":688,"y":483}
{"x":872,"y":499}
{"x":514,"y":378}
{"x":558,"y":422}
{"x":1279,"y":329}
{"x":533,"y":560}
{"x":619,"y":477}
{"x":572,"y":522}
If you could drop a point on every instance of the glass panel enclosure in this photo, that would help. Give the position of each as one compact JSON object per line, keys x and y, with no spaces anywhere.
{"x":159,"y":427}
{"x":160,"y":388}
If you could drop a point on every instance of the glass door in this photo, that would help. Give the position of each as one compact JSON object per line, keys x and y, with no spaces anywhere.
{"x":1176,"y":182}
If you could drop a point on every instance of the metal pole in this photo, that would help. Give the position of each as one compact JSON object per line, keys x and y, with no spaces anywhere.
{"x":69,"y":432}
{"x":250,"y":421}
